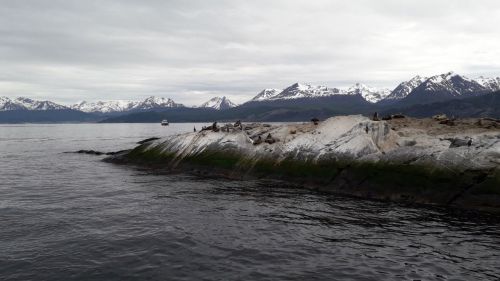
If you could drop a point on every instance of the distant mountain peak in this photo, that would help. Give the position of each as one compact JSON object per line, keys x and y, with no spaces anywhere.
{"x":151,"y":102}
{"x":218,"y":103}
{"x":8,"y":104}
{"x":451,"y":83}
{"x":492,"y":84}
{"x":417,"y":90}
{"x":156,"y":102}
{"x":303,"y":86}
{"x":303,"y":90}
{"x":104,"y":106}
{"x":266,"y":94}
{"x":443,"y":87}
{"x":23,"y":103}
{"x":405,"y":88}
{"x":370,"y":94}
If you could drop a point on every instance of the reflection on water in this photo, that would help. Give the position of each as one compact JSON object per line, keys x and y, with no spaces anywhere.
{"x":71,"y":216}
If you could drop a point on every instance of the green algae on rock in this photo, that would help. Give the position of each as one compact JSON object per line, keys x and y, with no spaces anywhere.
{"x":411,"y":160}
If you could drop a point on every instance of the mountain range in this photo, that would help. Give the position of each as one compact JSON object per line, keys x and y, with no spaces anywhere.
{"x":149,"y":103}
{"x":279,"y":104}
{"x":218,"y":103}
{"x":21,"y":103}
{"x":105,"y":107}
{"x":299,"y":90}
{"x":418,"y":90}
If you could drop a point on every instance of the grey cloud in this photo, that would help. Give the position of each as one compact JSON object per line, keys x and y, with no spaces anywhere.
{"x":191,"y":50}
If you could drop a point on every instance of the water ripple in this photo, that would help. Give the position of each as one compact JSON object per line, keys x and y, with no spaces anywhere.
{"x":72,"y":217}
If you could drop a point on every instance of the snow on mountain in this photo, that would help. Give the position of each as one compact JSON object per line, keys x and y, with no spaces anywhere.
{"x":104,"y":106}
{"x":124,"y":105}
{"x":299,"y":90}
{"x":405,"y":88}
{"x":22,"y":103}
{"x":445,"y":87}
{"x":370,"y":94}
{"x":492,"y":84}
{"x":417,"y":90}
{"x":218,"y":103}
{"x":453,"y":84}
{"x":266,"y":94}
{"x":156,"y":102}
{"x":8,"y":104}
{"x":30,"y":104}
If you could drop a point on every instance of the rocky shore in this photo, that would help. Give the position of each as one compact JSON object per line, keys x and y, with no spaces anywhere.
{"x":431,"y":161}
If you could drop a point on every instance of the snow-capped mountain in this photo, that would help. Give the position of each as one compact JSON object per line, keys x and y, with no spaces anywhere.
{"x":370,"y":94}
{"x":418,"y":90}
{"x":451,"y":83}
{"x":299,"y":90}
{"x":492,"y":84}
{"x":39,"y":105}
{"x":218,"y":103}
{"x":405,"y":88}
{"x":104,"y":106}
{"x":22,"y":103}
{"x":156,"y":102}
{"x":8,"y":104}
{"x":124,"y":105}
{"x":444,"y":87}
{"x":266,"y":94}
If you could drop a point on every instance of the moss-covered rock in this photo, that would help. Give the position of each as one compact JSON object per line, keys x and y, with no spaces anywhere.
{"x":383,"y":181}
{"x":349,"y":155}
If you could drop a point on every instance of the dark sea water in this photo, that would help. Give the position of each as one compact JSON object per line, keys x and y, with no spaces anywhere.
{"x":72,"y":217}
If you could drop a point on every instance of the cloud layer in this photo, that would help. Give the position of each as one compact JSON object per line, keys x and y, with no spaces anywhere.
{"x":192,"y":50}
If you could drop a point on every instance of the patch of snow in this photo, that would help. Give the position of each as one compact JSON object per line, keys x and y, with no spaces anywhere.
{"x":156,"y":102}
{"x":303,"y":90}
{"x":8,"y":104}
{"x":405,"y":88}
{"x":104,"y":106}
{"x":370,"y":94}
{"x":125,"y":105}
{"x":299,"y":90}
{"x":266,"y":94}
{"x":22,"y":103}
{"x":492,"y":84}
{"x":218,"y":103}
{"x":454,"y":84}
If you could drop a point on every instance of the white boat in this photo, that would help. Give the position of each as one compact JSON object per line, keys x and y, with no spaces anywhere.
{"x":164,"y":122}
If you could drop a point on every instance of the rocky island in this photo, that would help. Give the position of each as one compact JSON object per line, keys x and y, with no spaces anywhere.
{"x":438,"y":160}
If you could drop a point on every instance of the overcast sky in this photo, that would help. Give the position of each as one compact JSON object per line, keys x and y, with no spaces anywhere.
{"x":68,"y":51}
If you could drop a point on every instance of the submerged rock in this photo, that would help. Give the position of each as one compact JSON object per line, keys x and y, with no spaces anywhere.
{"x":91,"y":152}
{"x":150,"y":139}
{"x":404,"y":159}
{"x":95,"y":152}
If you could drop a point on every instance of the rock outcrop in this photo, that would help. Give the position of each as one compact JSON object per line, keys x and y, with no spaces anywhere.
{"x":402,"y":159}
